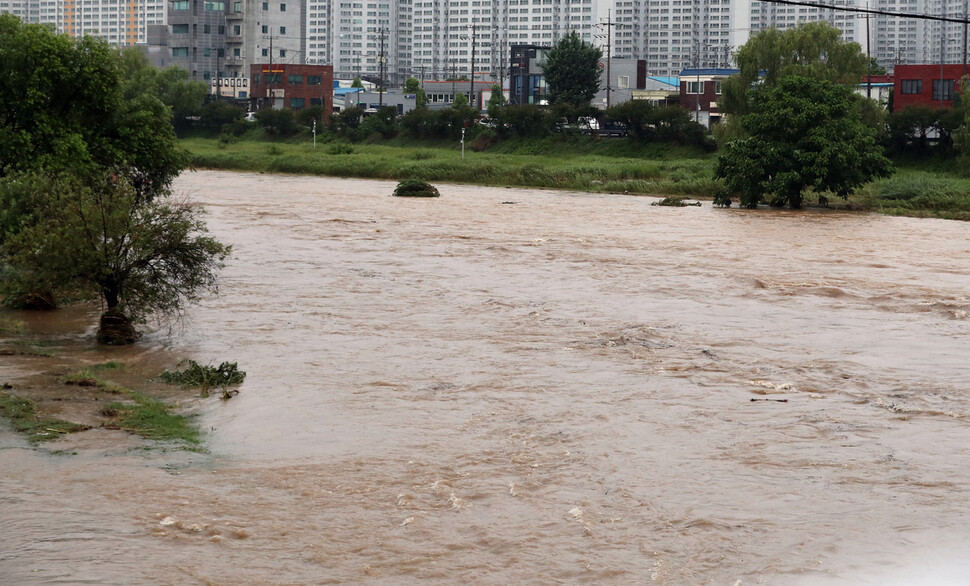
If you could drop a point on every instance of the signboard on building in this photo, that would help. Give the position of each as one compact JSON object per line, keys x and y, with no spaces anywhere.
{"x":230,"y":87}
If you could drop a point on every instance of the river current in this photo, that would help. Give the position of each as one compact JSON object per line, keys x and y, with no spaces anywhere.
{"x":506,"y":386}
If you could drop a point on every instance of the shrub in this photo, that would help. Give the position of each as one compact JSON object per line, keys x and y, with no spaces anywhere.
{"x":415,"y":188}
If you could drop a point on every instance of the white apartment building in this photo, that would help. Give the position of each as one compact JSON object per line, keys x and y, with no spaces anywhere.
{"x":120,"y":22}
{"x":440,"y":39}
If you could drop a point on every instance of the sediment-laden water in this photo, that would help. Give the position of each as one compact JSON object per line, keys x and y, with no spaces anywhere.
{"x":516,"y":386}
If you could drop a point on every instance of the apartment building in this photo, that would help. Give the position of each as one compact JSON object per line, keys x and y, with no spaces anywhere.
{"x":120,"y":22}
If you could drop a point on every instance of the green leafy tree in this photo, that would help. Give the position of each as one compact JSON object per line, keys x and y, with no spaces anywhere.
{"x":357,"y":83}
{"x":460,"y":101}
{"x":383,"y":123}
{"x":909,"y":129}
{"x":495,"y":101}
{"x":141,"y":257}
{"x":803,"y":133}
{"x":813,"y":49}
{"x":526,"y":120}
{"x":218,"y":113}
{"x":572,"y":70}
{"x":57,"y":95}
{"x":875,"y":68}
{"x":413,"y":86}
{"x":69,"y":107}
{"x":279,"y":122}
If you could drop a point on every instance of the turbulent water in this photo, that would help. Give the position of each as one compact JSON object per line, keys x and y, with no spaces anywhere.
{"x":518,"y":386}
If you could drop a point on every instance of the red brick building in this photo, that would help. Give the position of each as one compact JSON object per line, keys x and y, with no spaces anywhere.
{"x":294,"y":86}
{"x":923,"y":85}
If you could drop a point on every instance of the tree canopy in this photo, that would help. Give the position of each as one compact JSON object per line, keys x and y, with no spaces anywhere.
{"x":813,"y":49}
{"x":802,"y":133}
{"x":69,"y":105}
{"x":572,"y":70}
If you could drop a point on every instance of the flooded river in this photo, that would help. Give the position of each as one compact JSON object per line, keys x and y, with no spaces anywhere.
{"x":518,"y":386}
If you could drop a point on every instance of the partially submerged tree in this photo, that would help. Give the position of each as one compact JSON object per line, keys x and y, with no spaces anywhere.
{"x":572,"y":70}
{"x":141,"y":258}
{"x":87,"y":157}
{"x":803,"y":133}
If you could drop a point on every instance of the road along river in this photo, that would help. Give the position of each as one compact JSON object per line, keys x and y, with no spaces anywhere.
{"x":505,"y":386}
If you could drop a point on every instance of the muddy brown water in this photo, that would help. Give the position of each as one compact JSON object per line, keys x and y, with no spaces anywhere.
{"x":519,"y":386}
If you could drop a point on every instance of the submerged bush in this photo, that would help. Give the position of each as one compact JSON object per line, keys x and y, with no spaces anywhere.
{"x":205,"y":377}
{"x":415,"y":188}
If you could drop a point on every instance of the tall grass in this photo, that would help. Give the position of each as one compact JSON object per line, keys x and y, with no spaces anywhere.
{"x":576,"y":164}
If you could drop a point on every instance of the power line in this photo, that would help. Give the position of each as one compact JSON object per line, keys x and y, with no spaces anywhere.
{"x":963,"y":20}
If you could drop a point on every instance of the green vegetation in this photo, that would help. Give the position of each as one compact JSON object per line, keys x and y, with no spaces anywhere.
{"x":800,"y":133}
{"x":205,"y":377}
{"x":415,"y":188}
{"x":675,"y":202}
{"x":577,"y":163}
{"x":913,"y":192}
{"x":88,"y":153}
{"x":815,"y":50}
{"x":572,"y":70}
{"x":23,"y":416}
{"x":10,"y":326}
{"x":151,"y":419}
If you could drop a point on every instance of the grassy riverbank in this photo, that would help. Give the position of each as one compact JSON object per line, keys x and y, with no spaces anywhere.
{"x":581,"y":163}
{"x":575,"y":163}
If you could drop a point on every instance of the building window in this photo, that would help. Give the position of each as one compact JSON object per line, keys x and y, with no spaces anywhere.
{"x":316,"y":101}
{"x":717,"y":87}
{"x":947,"y":89}
{"x":623,"y":81}
{"x":265,"y":5}
{"x":180,"y":5}
{"x":236,"y":52}
{"x":695,"y":87}
{"x":206,"y":75}
{"x":282,"y":52}
{"x":180,"y":51}
{"x":265,"y":29}
{"x":214,"y":6}
{"x":294,"y":79}
{"x":221,"y":52}
{"x":282,"y":7}
{"x":911,"y":86}
{"x":222,"y":29}
{"x":314,"y":80}
{"x":206,"y":52}
{"x":237,"y":6}
{"x":297,"y":103}
{"x":236,"y":29}
{"x":282,"y":30}
{"x":265,"y":52}
{"x":180,"y":29}
{"x":206,"y":29}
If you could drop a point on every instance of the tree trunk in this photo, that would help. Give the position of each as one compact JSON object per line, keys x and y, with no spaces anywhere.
{"x":116,"y":329}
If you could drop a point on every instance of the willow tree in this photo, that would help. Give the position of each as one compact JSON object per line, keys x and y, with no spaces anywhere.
{"x":814,"y":50}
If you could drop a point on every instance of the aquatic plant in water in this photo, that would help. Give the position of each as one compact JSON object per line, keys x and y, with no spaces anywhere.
{"x":205,"y":377}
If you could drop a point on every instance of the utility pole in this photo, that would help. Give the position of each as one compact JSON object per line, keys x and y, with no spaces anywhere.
{"x":471,"y":92}
{"x":380,"y":73}
{"x":869,"y":55}
{"x":609,"y":24}
{"x":966,"y":5}
{"x":942,"y":48}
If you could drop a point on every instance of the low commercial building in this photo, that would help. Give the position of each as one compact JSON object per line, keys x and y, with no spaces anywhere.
{"x":926,"y":85}
{"x":294,"y":86}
